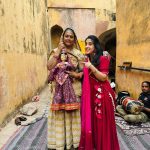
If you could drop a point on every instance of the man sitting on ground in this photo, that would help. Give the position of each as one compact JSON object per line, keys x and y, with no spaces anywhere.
{"x":134,"y":111}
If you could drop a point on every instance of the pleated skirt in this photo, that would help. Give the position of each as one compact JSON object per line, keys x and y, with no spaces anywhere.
{"x":64,"y":129}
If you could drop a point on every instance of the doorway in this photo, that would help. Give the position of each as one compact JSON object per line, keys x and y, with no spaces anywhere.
{"x":55,"y":32}
{"x":108,"y":42}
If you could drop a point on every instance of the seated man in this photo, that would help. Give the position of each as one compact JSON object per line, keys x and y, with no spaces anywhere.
{"x":145,"y":97}
{"x":135,"y":111}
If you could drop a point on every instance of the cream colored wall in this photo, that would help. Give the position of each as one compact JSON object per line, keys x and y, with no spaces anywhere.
{"x":74,"y":18}
{"x":101,"y":4}
{"x":133,"y":43}
{"x":103,"y":11}
{"x":23,"y":52}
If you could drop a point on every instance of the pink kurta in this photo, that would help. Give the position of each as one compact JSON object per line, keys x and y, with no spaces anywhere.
{"x":98,"y":117}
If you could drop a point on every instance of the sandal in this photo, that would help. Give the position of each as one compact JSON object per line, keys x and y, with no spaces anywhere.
{"x":17,"y":121}
{"x":22,"y":118}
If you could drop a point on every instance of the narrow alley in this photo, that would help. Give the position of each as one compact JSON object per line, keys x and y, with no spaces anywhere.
{"x":37,"y":36}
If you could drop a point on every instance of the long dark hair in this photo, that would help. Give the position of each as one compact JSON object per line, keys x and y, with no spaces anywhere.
{"x":98,"y":50}
{"x":75,"y":37}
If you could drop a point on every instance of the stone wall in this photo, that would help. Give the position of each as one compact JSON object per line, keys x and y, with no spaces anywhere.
{"x":23,"y":52}
{"x":133,"y":43}
{"x":105,"y":11}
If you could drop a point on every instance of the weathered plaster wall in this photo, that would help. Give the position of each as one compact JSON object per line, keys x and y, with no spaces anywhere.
{"x":101,"y":4}
{"x":104,"y":11}
{"x":74,"y":18}
{"x":23,"y":52}
{"x":133,"y":43}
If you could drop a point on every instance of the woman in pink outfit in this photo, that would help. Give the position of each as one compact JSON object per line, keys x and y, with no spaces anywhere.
{"x":98,"y":128}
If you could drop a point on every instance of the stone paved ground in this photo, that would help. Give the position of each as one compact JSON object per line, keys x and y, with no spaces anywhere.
{"x":140,"y":142}
{"x":11,"y":128}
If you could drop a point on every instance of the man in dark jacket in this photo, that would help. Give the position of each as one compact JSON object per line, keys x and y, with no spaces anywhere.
{"x":144,"y":115}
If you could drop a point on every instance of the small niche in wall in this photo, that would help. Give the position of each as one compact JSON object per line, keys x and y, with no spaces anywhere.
{"x":55,"y":32}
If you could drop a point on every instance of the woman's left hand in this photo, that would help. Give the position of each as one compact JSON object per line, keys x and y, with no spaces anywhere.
{"x":87,"y":63}
{"x":72,"y":73}
{"x":77,"y":75}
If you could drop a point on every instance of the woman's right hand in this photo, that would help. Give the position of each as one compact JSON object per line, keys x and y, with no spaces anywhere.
{"x":61,"y":46}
